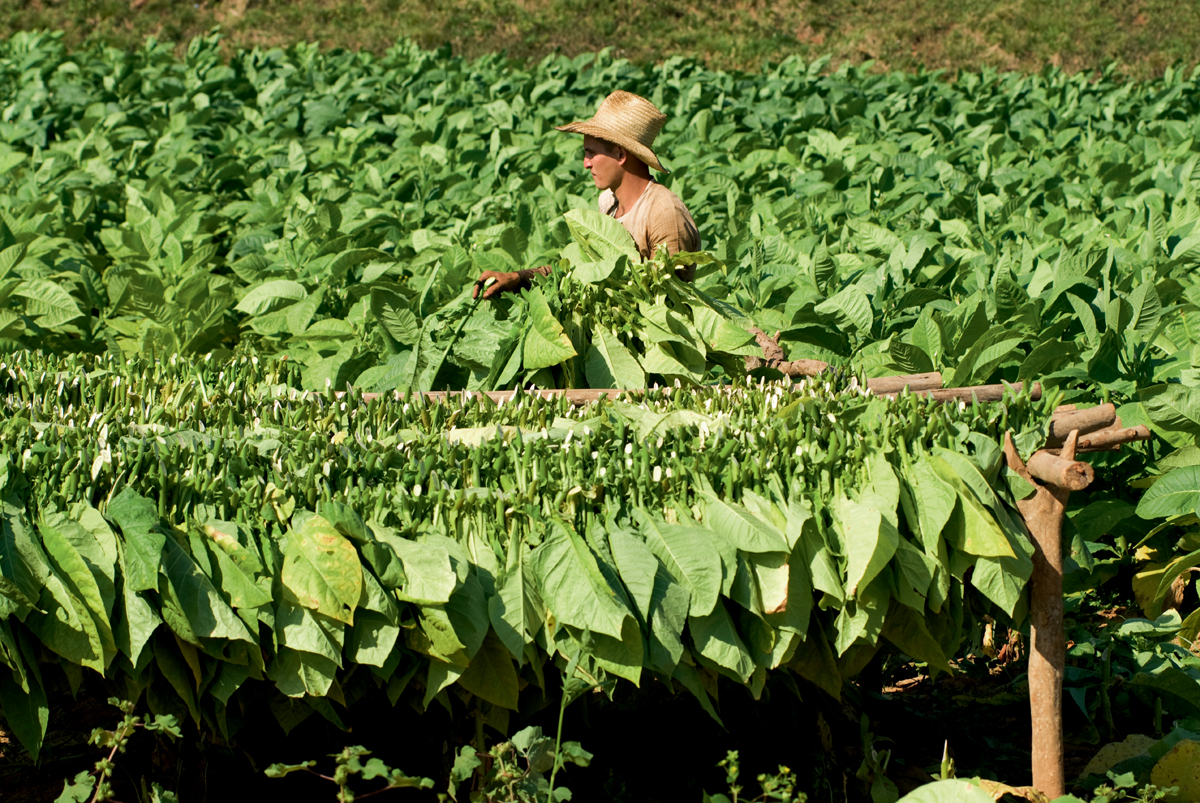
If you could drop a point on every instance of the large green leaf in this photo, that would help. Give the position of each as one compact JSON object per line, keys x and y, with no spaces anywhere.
{"x":850,"y":307}
{"x":396,"y":319}
{"x":1173,"y":407}
{"x":546,"y":343}
{"x":137,"y":517}
{"x":740,"y":526}
{"x":638,"y":568}
{"x":600,"y":270}
{"x":321,"y":569}
{"x":513,"y":610}
{"x":933,"y":503}
{"x":26,"y":712}
{"x":971,"y":527}
{"x":716,"y":638}
{"x":870,"y":541}
{"x":574,"y":588}
{"x":1046,"y":358}
{"x":906,"y":629}
{"x":48,"y":302}
{"x":192,"y":605}
{"x":600,"y":236}
{"x":610,"y":365}
{"x":86,"y":594}
{"x":950,"y":791}
{"x":22,"y":568}
{"x":265,"y":296}
{"x":297,"y":673}
{"x":491,"y":674}
{"x":988,"y":352}
{"x":429,"y":577}
{"x":690,"y":558}
{"x":1176,"y":493}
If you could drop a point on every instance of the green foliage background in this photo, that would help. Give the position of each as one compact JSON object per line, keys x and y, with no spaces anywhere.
{"x":190,"y":241}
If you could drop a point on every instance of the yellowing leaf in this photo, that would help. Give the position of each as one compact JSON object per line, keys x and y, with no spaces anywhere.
{"x":321,"y":569}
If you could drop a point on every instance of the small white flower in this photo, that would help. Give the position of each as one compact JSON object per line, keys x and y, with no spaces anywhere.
{"x":657,"y":474}
{"x":629,"y":448}
{"x":105,"y":456}
{"x":417,"y":489}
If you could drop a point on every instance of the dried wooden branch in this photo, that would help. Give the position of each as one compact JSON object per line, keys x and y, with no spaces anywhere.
{"x":918,"y":384}
{"x":1090,"y":420}
{"x":984,"y":393}
{"x":1059,"y":471}
{"x":1109,"y":440}
{"x":894,"y":384}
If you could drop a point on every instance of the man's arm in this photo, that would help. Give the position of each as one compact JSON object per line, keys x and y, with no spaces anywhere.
{"x":507,"y":282}
{"x":672,"y":225}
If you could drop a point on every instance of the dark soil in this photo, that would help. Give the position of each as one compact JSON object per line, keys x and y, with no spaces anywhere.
{"x":649,"y":745}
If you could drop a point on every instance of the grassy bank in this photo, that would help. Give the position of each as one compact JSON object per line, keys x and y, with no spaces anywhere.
{"x":1144,"y":36}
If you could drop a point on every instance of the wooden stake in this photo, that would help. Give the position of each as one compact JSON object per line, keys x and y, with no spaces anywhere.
{"x":1043,"y":514}
{"x":984,"y":393}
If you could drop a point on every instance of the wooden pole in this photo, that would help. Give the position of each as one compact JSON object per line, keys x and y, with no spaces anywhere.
{"x":984,"y":393}
{"x":920,"y":385}
{"x":895,"y":384}
{"x":1092,"y":419}
{"x":1043,"y":513}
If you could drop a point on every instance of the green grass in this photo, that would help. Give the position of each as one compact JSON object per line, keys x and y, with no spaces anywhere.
{"x":1143,"y":36}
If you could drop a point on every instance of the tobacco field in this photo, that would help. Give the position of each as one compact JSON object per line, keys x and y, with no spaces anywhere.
{"x":206,"y":262}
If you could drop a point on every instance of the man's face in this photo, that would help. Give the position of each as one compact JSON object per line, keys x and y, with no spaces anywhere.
{"x":605,"y":161}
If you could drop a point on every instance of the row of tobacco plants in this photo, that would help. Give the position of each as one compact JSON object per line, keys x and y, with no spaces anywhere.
{"x":198,"y":253}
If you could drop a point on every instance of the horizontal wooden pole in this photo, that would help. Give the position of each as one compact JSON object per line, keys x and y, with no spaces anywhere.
{"x":921,"y":386}
{"x":1054,"y":470}
{"x":1109,"y":440}
{"x":577,"y":396}
{"x":984,"y":393}
{"x":1092,"y":419}
{"x":796,"y":369}
{"x":894,"y":384}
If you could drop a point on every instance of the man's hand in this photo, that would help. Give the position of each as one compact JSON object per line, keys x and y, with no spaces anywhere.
{"x":501,"y":282}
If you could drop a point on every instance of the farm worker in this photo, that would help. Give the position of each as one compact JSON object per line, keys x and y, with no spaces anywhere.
{"x":617,"y":150}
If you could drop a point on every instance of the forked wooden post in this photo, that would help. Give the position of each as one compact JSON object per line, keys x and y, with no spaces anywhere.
{"x":1054,"y":472}
{"x":1043,"y":514}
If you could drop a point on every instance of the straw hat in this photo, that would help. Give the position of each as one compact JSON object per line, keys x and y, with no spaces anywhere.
{"x":627,"y":120}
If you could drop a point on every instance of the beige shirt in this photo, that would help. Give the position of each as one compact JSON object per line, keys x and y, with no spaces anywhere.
{"x":656,"y":217}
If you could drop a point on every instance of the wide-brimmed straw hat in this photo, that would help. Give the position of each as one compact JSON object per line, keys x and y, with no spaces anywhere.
{"x":627,"y":120}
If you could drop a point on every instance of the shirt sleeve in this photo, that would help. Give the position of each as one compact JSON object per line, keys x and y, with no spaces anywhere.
{"x":670,"y":223}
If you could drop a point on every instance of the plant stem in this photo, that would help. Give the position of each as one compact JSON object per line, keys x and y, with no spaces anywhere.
{"x":1105,"y":685}
{"x":126,"y":730}
{"x":562,"y":710}
{"x":480,"y":744}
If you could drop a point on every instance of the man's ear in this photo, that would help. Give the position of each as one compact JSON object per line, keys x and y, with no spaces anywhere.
{"x":620,"y":154}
